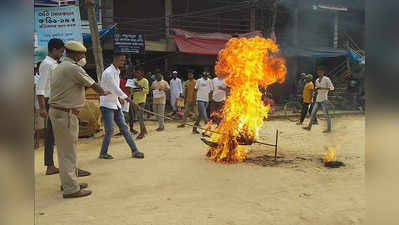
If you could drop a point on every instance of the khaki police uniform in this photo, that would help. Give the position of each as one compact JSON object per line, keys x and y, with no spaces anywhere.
{"x":67,"y":97}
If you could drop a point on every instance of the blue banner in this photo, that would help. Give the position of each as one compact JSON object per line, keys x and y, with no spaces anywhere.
{"x":57,"y":22}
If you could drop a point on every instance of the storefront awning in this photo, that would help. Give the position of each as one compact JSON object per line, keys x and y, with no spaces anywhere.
{"x":204,"y":43}
{"x":103,"y":34}
{"x":199,"y":46}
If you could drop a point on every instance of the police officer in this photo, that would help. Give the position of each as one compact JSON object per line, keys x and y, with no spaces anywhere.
{"x":67,"y":97}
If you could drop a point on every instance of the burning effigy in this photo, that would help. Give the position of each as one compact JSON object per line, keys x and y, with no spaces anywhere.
{"x":244,"y":65}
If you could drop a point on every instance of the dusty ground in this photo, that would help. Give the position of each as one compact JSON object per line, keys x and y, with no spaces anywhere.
{"x":176,"y":184}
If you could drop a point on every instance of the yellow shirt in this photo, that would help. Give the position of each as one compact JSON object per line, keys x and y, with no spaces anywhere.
{"x":307,"y":92}
{"x":140,"y":96}
{"x":189,"y":88}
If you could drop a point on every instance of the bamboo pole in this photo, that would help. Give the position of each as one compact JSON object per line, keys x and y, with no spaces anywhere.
{"x":204,"y":129}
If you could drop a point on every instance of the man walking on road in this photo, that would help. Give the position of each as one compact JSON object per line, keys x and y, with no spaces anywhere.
{"x":111,"y":109}
{"x":323,"y":86}
{"x":189,"y":97}
{"x":55,"y":51}
{"x":67,"y":98}
{"x":176,"y":91}
{"x":204,"y":89}
{"x":307,"y":99}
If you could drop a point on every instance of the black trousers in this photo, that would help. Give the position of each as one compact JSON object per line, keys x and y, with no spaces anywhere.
{"x":131,"y":116}
{"x":306,"y":109}
{"x":48,"y":141}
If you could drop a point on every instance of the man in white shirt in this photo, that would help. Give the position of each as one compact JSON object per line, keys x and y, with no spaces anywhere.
{"x":55,"y":51}
{"x":204,"y":89}
{"x":176,"y":90}
{"x":218,"y":98}
{"x":110,"y":107}
{"x":323,"y":86}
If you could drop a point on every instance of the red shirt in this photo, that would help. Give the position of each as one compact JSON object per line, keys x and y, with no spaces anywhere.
{"x":122,"y":85}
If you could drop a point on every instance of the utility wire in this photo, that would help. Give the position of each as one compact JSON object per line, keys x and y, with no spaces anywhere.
{"x":204,"y":12}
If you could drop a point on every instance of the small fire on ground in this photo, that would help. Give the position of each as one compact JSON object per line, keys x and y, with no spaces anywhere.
{"x":330,"y":156}
{"x":245,"y":65}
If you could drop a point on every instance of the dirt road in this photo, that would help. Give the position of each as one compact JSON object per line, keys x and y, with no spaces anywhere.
{"x":176,"y":184}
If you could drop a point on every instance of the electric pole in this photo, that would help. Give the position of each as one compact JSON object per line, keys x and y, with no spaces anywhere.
{"x":274,"y":15}
{"x":95,"y":39}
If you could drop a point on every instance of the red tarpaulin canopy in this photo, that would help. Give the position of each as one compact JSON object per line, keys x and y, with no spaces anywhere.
{"x":204,"y":43}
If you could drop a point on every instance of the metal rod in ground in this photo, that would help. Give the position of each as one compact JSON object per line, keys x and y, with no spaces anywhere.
{"x":192,"y":125}
{"x":275,"y":147}
{"x":262,"y":143}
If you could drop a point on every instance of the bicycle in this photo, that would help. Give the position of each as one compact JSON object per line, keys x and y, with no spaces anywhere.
{"x":292,"y":108}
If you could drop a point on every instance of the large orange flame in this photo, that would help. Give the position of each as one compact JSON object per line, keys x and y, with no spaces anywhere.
{"x":245,"y":65}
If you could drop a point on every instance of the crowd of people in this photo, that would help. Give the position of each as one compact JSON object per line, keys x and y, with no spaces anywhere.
{"x":201,"y":98}
{"x":125,"y":94}
{"x":60,"y":84}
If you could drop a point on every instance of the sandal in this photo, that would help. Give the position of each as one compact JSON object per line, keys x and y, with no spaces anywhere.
{"x":83,"y":173}
{"x":140,"y":136}
{"x":137,"y":154}
{"x":160,"y":129}
{"x":81,"y":185}
{"x":52,"y":171}
{"x":80,"y":193}
{"x":106,"y":156}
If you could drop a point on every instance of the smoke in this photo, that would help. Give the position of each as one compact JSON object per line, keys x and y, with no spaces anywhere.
{"x":300,"y":25}
{"x":315,"y":26}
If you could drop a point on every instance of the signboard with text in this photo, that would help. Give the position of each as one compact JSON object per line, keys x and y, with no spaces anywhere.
{"x":129,"y":43}
{"x":57,"y":22}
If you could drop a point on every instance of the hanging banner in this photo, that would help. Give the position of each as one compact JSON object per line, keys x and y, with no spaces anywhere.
{"x":57,"y":22}
{"x":46,"y":2}
{"x":129,"y":43}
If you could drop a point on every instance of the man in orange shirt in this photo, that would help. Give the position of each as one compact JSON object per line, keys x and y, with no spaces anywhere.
{"x":307,"y":98}
{"x":189,"y":97}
